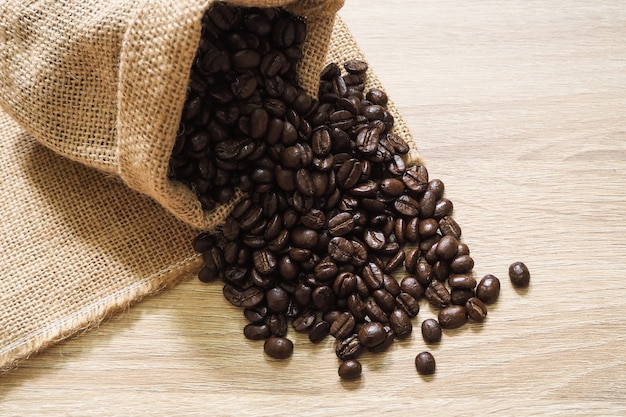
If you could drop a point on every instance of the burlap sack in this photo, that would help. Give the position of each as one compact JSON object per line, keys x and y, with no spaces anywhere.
{"x":77,"y":245}
{"x":104,"y":82}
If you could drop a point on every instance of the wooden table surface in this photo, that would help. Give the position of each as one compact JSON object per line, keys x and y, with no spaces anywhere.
{"x":520,"y":108}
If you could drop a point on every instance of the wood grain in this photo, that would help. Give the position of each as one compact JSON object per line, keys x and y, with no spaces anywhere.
{"x":520,"y":108}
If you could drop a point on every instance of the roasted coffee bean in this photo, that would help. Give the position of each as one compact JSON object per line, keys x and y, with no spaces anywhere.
{"x":373,"y":276}
{"x":391,"y":285}
{"x":376,"y":96}
{"x":374,"y":239}
{"x":277,"y":324}
{"x":356,"y":306}
{"x":488,"y":289}
{"x":452,"y":316}
{"x":326,"y":269}
{"x":427,"y":204}
{"x":450,"y":227}
{"x":277,"y":299}
{"x":323,"y":298}
{"x":423,"y":273}
{"x":319,"y":331}
{"x":384,"y":299}
{"x":443,"y":208}
{"x":287,"y":268}
{"x":407,"y":206}
{"x":462,"y":281}
{"x":428,"y":227}
{"x":255,"y":314}
{"x":519,"y":275}
{"x":371,"y":334}
{"x":349,"y":348}
{"x":344,"y":284}
{"x":476,"y":309}
{"x":303,"y":237}
{"x":343,"y":325}
{"x":437,"y":294}
{"x":416,"y":179}
{"x":341,"y":224}
{"x":431,"y":331}
{"x":356,"y":66}
{"x":278,"y":347}
{"x":400,"y":323}
{"x":425,"y":363}
{"x":412,"y":286}
{"x":350,"y":369}
{"x":375,"y":312}
{"x":411,"y":233}
{"x":459,"y":296}
{"x":340,"y":249}
{"x":408,"y":303}
{"x":304,"y":322}
{"x":462,"y":264}
{"x":265,"y":261}
{"x":446,"y":248}
{"x":395,"y":262}
{"x":257,"y":331}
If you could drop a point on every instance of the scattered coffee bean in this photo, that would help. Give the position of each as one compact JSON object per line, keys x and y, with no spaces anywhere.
{"x":452,"y":316}
{"x":519,"y":274}
{"x":350,"y":369}
{"x":476,"y":309}
{"x":278,"y":347}
{"x":431,"y":331}
{"x":425,"y":363}
{"x":488,"y":289}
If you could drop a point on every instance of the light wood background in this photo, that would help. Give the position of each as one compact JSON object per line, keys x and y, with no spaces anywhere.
{"x":520,"y":108}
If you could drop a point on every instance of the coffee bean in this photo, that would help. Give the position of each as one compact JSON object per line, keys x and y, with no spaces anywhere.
{"x":476,"y":309}
{"x":488,"y":289}
{"x":340,"y":249}
{"x":408,"y":303}
{"x":278,"y":347}
{"x":356,"y":66}
{"x":343,"y":326}
{"x":462,"y":281}
{"x":350,"y":369}
{"x":257,"y":331}
{"x":384,"y":299}
{"x":375,"y":312}
{"x":431,"y":331}
{"x":462,"y":264}
{"x":459,"y":296}
{"x":371,"y":334}
{"x":446,"y":248}
{"x":452,"y":316}
{"x":277,"y":324}
{"x":400,"y":323}
{"x":319,"y":331}
{"x":277,"y":299}
{"x":437,"y":294}
{"x":349,"y":348}
{"x":425,"y":363}
{"x":519,"y":275}
{"x":449,"y":227}
{"x":341,"y":224}
{"x":304,"y":322}
{"x":323,"y":298}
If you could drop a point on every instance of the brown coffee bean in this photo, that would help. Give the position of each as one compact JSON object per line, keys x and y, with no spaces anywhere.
{"x":476,"y":309}
{"x":371,"y":334}
{"x":462,"y":281}
{"x":349,"y":348}
{"x":277,"y":324}
{"x":459,"y":296}
{"x":462,"y":264}
{"x":519,"y":275}
{"x":423,"y":273}
{"x":446,"y":248}
{"x":400,"y":323}
{"x":425,"y":363}
{"x":437,"y":294}
{"x":319,"y":331}
{"x":408,"y":303}
{"x":341,"y":224}
{"x":374,"y":312}
{"x":257,"y":331}
{"x":449,"y":227}
{"x":431,"y":331}
{"x":278,"y":347}
{"x":356,"y":66}
{"x":443,"y":208}
{"x":350,"y":369}
{"x":277,"y":299}
{"x":304,"y":322}
{"x":452,"y":316}
{"x":488,"y":289}
{"x":343,"y":325}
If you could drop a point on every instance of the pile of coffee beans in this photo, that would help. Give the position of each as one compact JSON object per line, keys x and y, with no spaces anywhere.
{"x":337,"y":236}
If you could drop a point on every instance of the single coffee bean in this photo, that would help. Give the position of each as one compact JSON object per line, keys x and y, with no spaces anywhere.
{"x":408,"y":303}
{"x":411,"y":285}
{"x":425,"y":363}
{"x":431,"y":331}
{"x":428,"y":227}
{"x":449,"y":227}
{"x":373,"y":276}
{"x":476,"y":309}
{"x":390,"y":336}
{"x":371,"y":334}
{"x":349,"y":348}
{"x":340,"y":249}
{"x":384,"y":299}
{"x":343,"y":326}
{"x":462,"y":264}
{"x":350,"y":369}
{"x":452,"y":316}
{"x":277,"y":324}
{"x":323,"y":298}
{"x":341,"y":224}
{"x":519,"y":275}
{"x":437,"y":294}
{"x":459,"y":296}
{"x":304,"y":322}
{"x":488,"y":289}
{"x":443,"y":208}
{"x":462,"y":281}
{"x":356,"y":66}
{"x":257,"y":331}
{"x":277,"y":299}
{"x":375,"y":312}
{"x":278,"y":347}
{"x":319,"y":331}
{"x":446,"y":248}
{"x":400,"y":323}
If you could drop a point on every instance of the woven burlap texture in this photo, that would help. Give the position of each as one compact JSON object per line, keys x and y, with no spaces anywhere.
{"x":104,"y":82}
{"x":77,"y":245}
